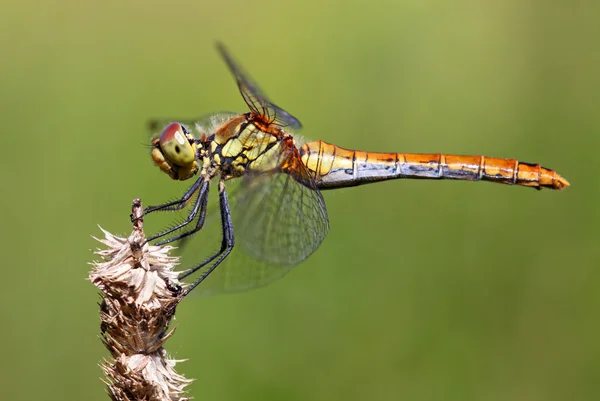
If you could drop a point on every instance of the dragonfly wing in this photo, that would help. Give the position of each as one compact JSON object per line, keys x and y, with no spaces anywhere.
{"x":197,"y":127}
{"x":254,"y":97}
{"x":279,"y":219}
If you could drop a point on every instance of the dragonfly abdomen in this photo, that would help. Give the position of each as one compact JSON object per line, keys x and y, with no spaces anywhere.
{"x":334,"y":167}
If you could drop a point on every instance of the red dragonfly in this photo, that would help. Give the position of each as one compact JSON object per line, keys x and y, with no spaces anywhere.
{"x":279,"y":213}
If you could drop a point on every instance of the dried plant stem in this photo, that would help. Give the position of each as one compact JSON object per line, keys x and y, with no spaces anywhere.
{"x":139,"y":293}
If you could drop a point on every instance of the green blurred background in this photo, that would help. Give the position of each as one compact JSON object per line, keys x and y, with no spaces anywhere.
{"x":423,"y":290}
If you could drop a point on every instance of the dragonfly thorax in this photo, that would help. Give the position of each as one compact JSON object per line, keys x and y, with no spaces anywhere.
{"x":174,"y":152}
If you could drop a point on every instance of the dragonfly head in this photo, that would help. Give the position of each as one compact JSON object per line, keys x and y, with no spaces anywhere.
{"x":174,"y":152}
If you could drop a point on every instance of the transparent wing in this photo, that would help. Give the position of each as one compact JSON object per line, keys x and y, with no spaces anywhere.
{"x":254,"y":97}
{"x":279,"y":219}
{"x":197,"y":127}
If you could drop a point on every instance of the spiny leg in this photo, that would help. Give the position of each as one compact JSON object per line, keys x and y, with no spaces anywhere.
{"x":226,"y":244}
{"x":199,"y":224}
{"x":179,"y":203}
{"x":200,"y":204}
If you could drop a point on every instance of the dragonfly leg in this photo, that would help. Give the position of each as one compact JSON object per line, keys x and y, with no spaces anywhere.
{"x":200,"y":204}
{"x":226,"y":244}
{"x":179,"y":203}
{"x":199,"y":224}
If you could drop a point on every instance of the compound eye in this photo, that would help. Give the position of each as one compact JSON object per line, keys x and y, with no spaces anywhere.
{"x":175,"y":145}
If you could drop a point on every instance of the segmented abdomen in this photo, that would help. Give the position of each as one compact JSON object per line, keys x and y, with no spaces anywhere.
{"x":334,"y":167}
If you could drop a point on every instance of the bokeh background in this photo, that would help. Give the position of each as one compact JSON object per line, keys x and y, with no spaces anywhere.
{"x":423,"y":290}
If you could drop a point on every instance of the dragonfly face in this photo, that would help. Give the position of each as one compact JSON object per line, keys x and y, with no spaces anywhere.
{"x":175,"y":152}
{"x":278,"y":211}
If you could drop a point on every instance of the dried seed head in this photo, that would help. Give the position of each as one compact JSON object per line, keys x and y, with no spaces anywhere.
{"x":139,"y":292}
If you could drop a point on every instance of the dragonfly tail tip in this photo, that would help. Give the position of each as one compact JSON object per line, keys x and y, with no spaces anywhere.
{"x":561,"y":183}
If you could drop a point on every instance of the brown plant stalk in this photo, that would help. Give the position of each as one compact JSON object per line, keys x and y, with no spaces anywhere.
{"x":139,"y":292}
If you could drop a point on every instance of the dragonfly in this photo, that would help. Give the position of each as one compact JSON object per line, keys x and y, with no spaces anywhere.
{"x":279,"y":215}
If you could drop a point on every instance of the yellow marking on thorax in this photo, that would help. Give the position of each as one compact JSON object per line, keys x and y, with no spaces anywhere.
{"x":250,"y":130}
{"x":232,"y":148}
{"x":255,"y":141}
{"x":268,"y":160}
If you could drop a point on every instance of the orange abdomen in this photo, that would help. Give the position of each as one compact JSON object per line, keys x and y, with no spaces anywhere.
{"x":334,"y":167}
